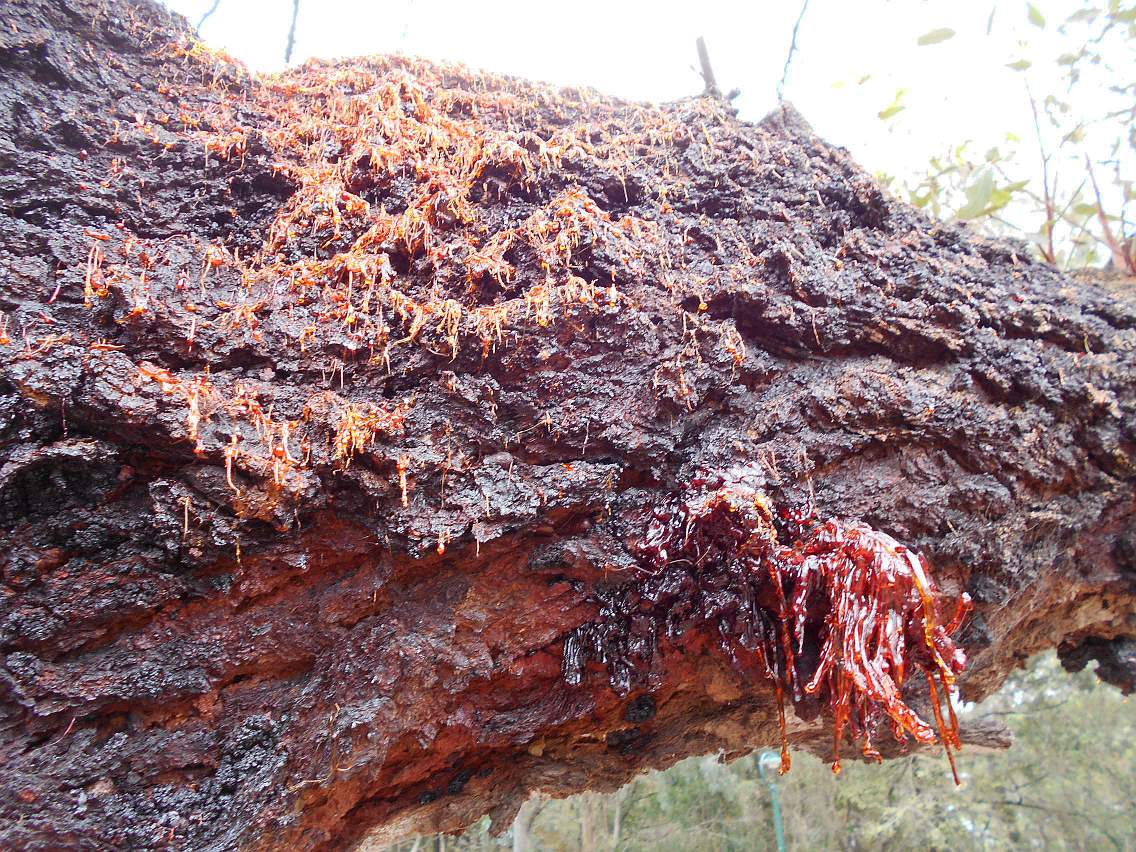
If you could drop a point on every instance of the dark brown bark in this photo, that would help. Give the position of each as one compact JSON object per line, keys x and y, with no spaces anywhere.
{"x":197,"y":664}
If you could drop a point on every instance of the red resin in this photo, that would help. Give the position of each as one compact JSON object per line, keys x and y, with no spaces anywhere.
{"x":834,"y":611}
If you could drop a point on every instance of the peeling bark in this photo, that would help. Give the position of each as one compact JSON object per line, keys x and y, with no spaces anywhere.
{"x":361,"y":634}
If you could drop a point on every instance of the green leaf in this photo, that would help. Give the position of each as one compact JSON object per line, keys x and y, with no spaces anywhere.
{"x":1035,"y":16}
{"x":1020,"y":65}
{"x":935,"y":36}
{"x":978,"y":196}
{"x":999,"y":199}
{"x":1084,"y":210}
{"x":1126,"y":16}
{"x":896,"y":106}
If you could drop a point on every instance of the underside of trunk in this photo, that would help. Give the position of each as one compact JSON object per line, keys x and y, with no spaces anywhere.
{"x":383,"y":441}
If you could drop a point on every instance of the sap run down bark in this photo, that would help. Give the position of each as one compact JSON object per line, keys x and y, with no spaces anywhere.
{"x":332,"y":404}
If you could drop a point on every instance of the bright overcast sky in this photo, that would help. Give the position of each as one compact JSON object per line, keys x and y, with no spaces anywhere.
{"x":957,"y":90}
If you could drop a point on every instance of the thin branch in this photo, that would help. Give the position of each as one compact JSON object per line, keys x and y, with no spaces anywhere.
{"x":1072,"y":199}
{"x":292,"y":32}
{"x":1025,"y":711}
{"x":206,"y":16}
{"x":792,"y":50}
{"x":1120,"y":255}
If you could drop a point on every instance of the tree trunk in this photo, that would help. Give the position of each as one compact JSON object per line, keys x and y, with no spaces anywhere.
{"x":617,"y":817}
{"x":522,"y":825}
{"x":332,"y":405}
{"x":589,"y":821}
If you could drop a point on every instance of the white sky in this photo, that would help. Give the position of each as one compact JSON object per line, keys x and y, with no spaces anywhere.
{"x":959,"y":89}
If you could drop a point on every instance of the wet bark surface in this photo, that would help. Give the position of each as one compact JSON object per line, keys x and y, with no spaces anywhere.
{"x":279,"y":577}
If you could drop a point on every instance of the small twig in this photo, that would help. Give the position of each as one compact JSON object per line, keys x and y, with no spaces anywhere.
{"x":292,"y":32}
{"x":206,"y":16}
{"x":792,"y":50}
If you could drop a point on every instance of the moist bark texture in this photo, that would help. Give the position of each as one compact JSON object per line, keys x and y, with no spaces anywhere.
{"x":330,"y":404}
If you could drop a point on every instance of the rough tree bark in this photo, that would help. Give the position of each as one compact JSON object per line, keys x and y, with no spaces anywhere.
{"x":269,"y":581}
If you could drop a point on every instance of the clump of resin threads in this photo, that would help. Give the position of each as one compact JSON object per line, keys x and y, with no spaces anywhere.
{"x":832,"y":610}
